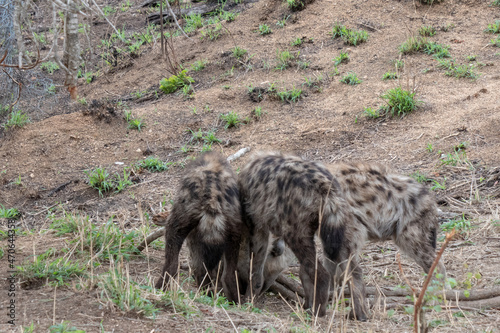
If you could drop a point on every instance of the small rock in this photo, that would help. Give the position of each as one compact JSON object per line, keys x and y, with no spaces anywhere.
{"x":138,"y":150}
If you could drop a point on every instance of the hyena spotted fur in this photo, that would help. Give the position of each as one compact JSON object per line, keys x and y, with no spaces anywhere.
{"x":207,"y":212}
{"x":385,"y":206}
{"x":292,"y":199}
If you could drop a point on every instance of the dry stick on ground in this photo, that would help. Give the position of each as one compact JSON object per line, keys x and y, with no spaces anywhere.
{"x":418,"y":315}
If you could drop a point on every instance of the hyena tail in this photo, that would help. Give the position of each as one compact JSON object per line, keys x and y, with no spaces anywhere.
{"x":333,"y":221}
{"x":212,"y":228}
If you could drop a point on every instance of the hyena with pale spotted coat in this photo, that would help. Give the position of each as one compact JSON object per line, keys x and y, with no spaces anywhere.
{"x":207,"y":212}
{"x":292,"y":198}
{"x":385,"y":206}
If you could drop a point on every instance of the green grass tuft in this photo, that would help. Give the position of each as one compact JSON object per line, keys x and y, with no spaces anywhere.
{"x":400,"y":102}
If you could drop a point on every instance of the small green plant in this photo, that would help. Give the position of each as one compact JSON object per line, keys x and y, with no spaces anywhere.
{"x":264,"y":29}
{"x":372,"y":113}
{"x":40,"y":38}
{"x":350,"y":79}
{"x":412,"y":45}
{"x":495,"y":3}
{"x":82,"y":101}
{"x":284,"y":59}
{"x":108,"y":10}
{"x":496,"y":41}
{"x":101,"y":180}
{"x":419,"y":177}
{"x":210,"y":138}
{"x":257,"y":112}
{"x":400,"y":102}
{"x":296,"y":42}
{"x":199,"y":65}
{"x":290,"y":96}
{"x":493,"y":28}
{"x":390,"y":76}
{"x":282,"y":23}
{"x":9,"y":213}
{"x":16,"y":119}
{"x":49,"y":66}
{"x":438,"y":186}
{"x":457,"y":157}
{"x":303,"y":64}
{"x":227,"y":16}
{"x":472,"y":57}
{"x":342,"y":58}
{"x":64,"y":327}
{"x":212,"y":32}
{"x":398,"y":64}
{"x":175,"y":82}
{"x":187,"y":91}
{"x":153,"y":164}
{"x":238,"y":52}
{"x":460,"y":224}
{"x":232,"y":119}
{"x":429,"y":147}
{"x":46,"y":267}
{"x":196,"y":136}
{"x":458,"y":71}
{"x":134,"y":123}
{"x":193,"y":22}
{"x":349,"y":36}
{"x":295,"y":4}
{"x":427,"y":31}
{"x":438,"y":50}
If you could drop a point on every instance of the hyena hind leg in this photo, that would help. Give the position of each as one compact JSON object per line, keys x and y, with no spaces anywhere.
{"x":174,"y":238}
{"x":259,"y":243}
{"x":314,"y":277}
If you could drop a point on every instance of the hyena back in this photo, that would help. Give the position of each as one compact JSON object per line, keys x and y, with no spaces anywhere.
{"x":207,"y":212}
{"x":293,"y":198}
{"x":385,"y":206}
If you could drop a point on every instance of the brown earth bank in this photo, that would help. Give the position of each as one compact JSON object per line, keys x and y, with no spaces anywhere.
{"x":453,"y":138}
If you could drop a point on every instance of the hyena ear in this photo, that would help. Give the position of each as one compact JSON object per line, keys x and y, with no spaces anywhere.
{"x":161,"y":219}
{"x":278,"y":247}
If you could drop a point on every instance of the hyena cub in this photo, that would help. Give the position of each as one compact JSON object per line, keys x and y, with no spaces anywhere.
{"x":385,"y":206}
{"x":207,"y":212}
{"x":293,"y":198}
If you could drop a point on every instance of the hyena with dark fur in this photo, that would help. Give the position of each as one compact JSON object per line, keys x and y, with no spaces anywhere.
{"x":207,"y":212}
{"x":293,"y":198}
{"x":385,"y":206}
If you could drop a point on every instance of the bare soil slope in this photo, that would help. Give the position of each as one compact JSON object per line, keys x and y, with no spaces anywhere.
{"x":43,"y":163}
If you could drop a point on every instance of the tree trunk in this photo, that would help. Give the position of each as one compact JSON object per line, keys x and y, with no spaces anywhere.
{"x":71,"y":57}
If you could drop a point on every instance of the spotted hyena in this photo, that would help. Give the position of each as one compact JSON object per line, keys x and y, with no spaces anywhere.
{"x":292,"y":198}
{"x":207,"y":212}
{"x":385,"y":206}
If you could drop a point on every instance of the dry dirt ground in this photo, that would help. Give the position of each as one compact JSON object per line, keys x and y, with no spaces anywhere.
{"x":42,"y":164}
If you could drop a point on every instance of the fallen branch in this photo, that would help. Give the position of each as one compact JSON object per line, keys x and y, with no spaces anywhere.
{"x":286,"y":293}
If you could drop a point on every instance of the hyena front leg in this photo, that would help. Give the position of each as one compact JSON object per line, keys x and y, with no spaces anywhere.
{"x":315,"y":279}
{"x":259,"y":242}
